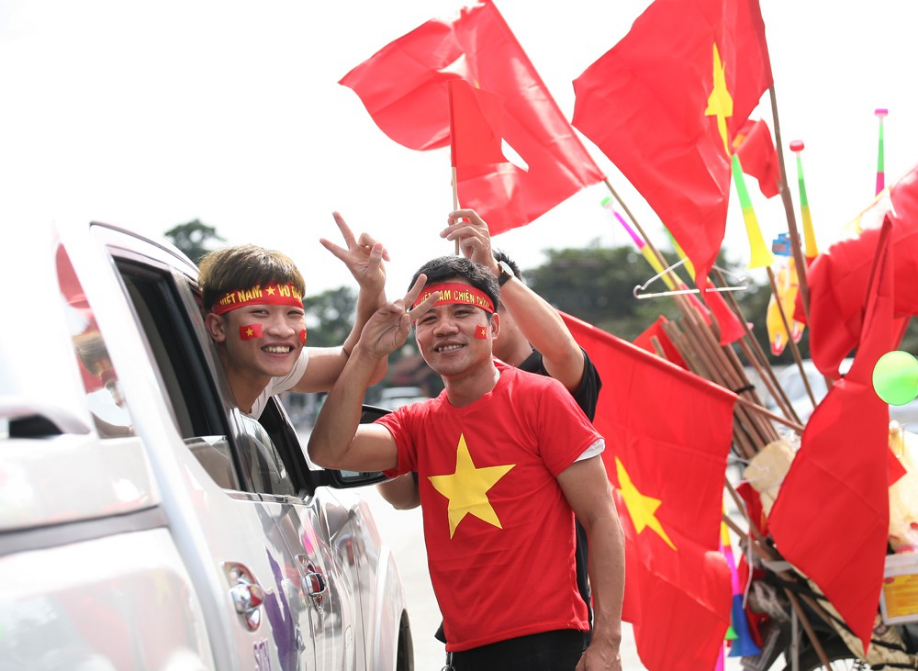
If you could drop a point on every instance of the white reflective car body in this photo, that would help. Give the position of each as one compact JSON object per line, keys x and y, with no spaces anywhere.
{"x":144,"y":522}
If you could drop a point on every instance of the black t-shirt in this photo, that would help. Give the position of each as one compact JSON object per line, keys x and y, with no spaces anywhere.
{"x":586,"y":395}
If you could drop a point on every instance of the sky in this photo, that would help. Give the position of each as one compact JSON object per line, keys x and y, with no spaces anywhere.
{"x":149,"y":115}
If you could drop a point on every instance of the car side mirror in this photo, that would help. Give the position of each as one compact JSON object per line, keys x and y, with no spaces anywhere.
{"x":345,"y":479}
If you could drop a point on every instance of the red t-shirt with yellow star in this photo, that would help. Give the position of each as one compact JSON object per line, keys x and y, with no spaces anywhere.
{"x":499,"y":532}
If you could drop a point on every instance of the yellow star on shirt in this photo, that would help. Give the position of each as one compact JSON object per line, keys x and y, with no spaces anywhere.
{"x":641,"y":508}
{"x":467,"y":488}
{"x":720,"y":102}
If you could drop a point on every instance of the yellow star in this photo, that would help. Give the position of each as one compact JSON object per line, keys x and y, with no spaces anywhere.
{"x":270,"y":291}
{"x":641,"y":508}
{"x":249,"y":332}
{"x":720,"y":102}
{"x":467,"y":488}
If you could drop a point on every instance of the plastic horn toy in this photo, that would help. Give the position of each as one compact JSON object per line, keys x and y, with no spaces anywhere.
{"x":759,"y":254}
{"x":642,"y":246}
{"x":809,"y":236}
{"x":880,"y":113}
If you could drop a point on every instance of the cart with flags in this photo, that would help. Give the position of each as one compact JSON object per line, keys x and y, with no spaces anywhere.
{"x":811,"y":576}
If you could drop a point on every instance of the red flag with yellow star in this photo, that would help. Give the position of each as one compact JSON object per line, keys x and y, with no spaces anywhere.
{"x":668,"y":433}
{"x":665,"y":103}
{"x":250,"y":331}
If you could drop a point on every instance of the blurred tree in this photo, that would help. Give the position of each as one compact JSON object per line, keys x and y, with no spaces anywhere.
{"x":330,"y":317}
{"x":193,"y":238}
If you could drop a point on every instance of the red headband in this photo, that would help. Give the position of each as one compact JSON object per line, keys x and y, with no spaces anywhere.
{"x":454,"y":292}
{"x":274,"y":294}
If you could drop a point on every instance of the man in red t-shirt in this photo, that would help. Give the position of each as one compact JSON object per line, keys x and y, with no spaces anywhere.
{"x":505,"y":460}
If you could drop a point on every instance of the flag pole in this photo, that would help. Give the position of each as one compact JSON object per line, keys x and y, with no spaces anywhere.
{"x":456,"y":201}
{"x":789,"y":211}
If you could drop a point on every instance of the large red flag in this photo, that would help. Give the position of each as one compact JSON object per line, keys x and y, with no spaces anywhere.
{"x":665,"y":102}
{"x":668,"y":433}
{"x":403,"y":87}
{"x":838,"y":280}
{"x":474,"y":122}
{"x":756,"y":151}
{"x":831,"y":516}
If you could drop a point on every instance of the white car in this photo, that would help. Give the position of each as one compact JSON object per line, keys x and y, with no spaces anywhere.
{"x":144,"y":522}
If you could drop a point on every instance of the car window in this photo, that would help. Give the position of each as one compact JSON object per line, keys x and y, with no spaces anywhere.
{"x":189,"y":388}
{"x":100,"y":379}
{"x":250,"y":459}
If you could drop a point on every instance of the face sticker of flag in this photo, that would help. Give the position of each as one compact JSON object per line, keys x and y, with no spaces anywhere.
{"x":250,"y":331}
{"x":481,"y":333}
{"x":303,"y":336}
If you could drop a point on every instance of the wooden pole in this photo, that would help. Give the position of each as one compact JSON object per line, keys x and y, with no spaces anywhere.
{"x":797,"y":248}
{"x":456,"y":200}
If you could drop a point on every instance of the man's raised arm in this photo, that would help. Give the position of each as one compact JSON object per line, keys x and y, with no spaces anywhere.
{"x":338,"y":440}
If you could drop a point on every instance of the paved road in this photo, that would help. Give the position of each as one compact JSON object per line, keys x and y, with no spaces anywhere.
{"x":402,"y":531}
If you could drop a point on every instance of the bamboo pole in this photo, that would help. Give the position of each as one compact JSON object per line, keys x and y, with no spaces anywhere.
{"x":797,"y":249}
{"x":776,"y":390}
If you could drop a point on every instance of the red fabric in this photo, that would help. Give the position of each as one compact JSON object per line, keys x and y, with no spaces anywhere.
{"x":730,"y":327}
{"x":643,"y":103}
{"x":475,"y":123}
{"x":753,"y":506}
{"x":756,"y":151}
{"x":519,"y":578}
{"x":250,"y":331}
{"x":831,"y":516}
{"x":403,"y":88}
{"x":838,"y":280}
{"x":670,"y":431}
{"x":656,"y":331}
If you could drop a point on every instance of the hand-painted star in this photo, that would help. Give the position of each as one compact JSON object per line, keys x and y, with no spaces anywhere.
{"x":641,"y":508}
{"x":720,"y":102}
{"x":467,"y":488}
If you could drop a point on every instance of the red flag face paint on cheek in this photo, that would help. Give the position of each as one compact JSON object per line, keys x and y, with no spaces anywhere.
{"x":303,"y":336}
{"x":481,"y":332}
{"x":250,"y":331}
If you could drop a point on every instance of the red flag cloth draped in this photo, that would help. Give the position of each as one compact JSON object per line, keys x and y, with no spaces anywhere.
{"x":474,"y":122}
{"x":645,"y":342}
{"x":403,"y":87}
{"x":668,"y":433}
{"x":831,"y":516}
{"x":730,"y":327}
{"x":757,"y":154}
{"x":664,"y":103}
{"x":838,"y":279}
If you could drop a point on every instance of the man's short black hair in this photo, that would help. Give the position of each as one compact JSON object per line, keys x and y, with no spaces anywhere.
{"x":448,"y":267}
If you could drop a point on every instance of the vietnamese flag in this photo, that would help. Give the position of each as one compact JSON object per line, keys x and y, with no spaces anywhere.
{"x":831,"y":515}
{"x":756,"y":151}
{"x":474,"y":122}
{"x":403,"y":87}
{"x":668,"y":433}
{"x":665,"y":103}
{"x":838,"y":279}
{"x":249,"y":332}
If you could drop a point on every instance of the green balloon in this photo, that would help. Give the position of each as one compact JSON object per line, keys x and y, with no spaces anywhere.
{"x":895,"y":378}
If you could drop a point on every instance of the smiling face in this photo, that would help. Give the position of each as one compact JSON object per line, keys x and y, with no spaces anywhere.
{"x":255,"y":358}
{"x":455,"y":338}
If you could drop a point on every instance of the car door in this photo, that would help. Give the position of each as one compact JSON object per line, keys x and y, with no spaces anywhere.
{"x":216,"y":470}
